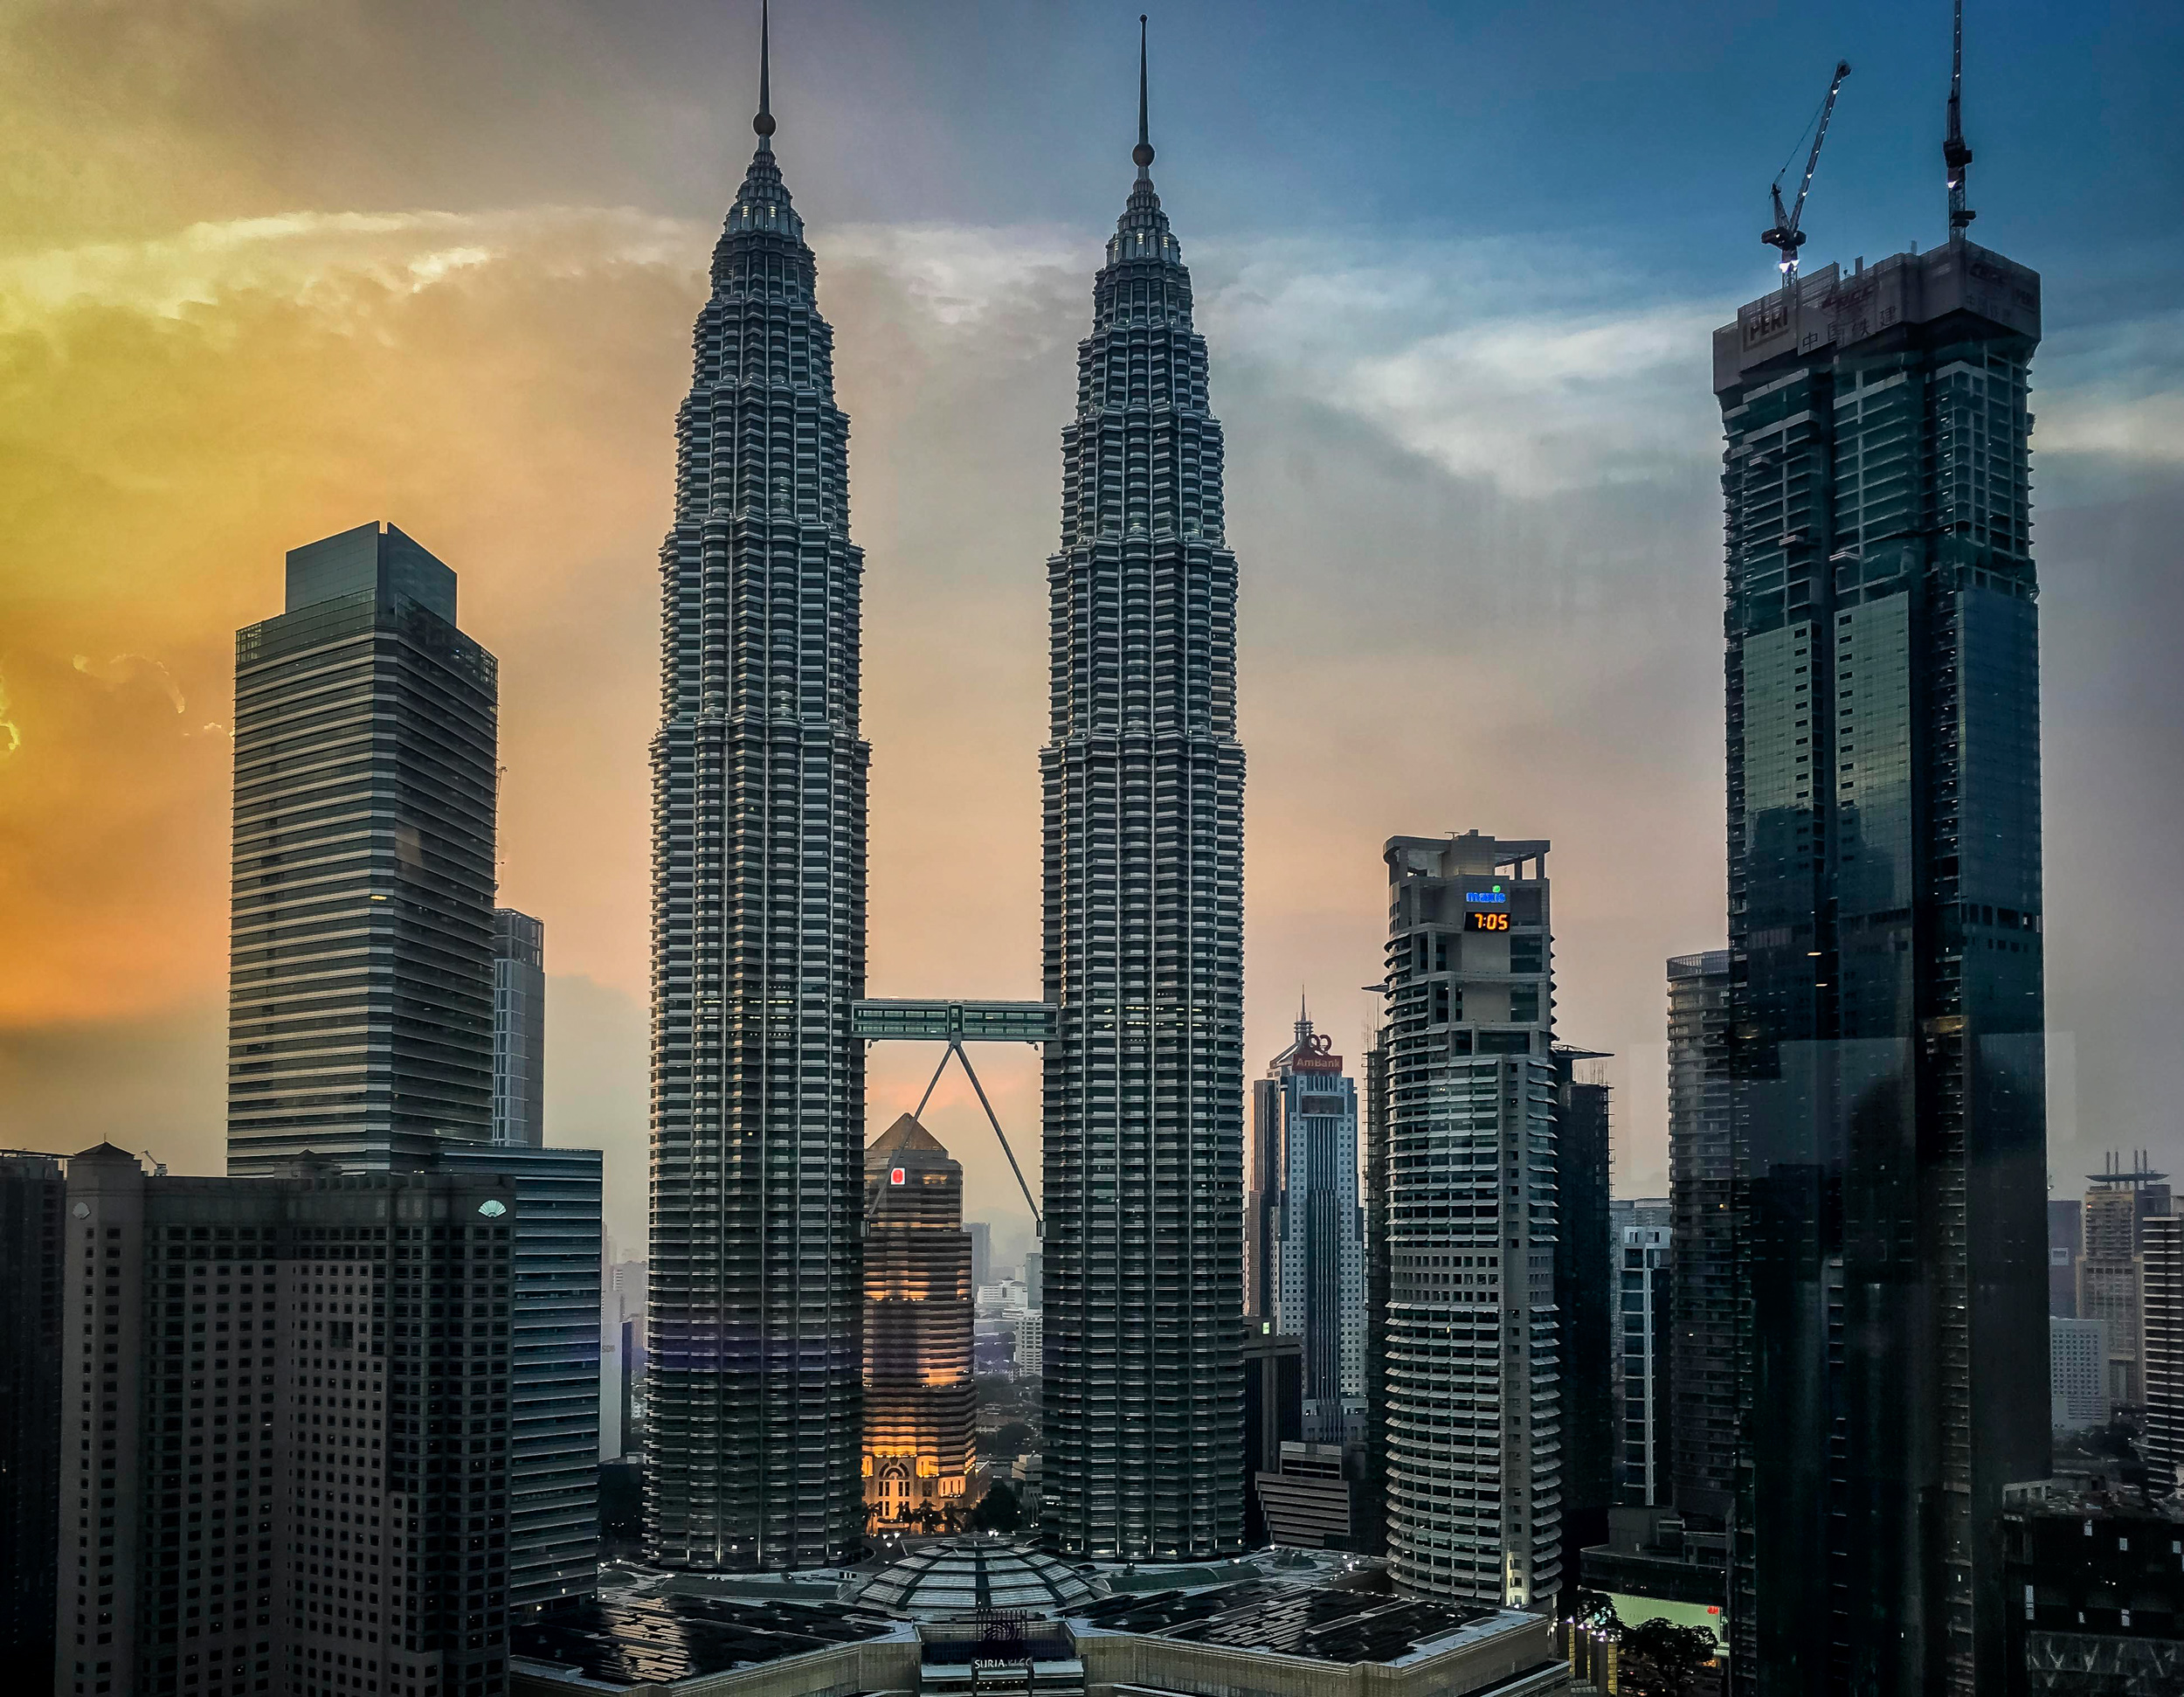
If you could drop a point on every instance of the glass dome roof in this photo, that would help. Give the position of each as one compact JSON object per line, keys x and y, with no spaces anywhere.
{"x":963,"y":1576}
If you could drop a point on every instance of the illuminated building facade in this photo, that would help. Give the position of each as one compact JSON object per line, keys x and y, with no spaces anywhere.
{"x":1885,"y":989}
{"x":1473,"y":1400}
{"x":1143,"y":781}
{"x":755,"y":1380}
{"x":920,"y":1408}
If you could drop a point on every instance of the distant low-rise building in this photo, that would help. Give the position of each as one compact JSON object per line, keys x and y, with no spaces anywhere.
{"x":983,"y":1616}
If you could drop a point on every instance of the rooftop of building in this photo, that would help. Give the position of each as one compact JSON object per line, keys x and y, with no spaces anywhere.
{"x":968,"y":1575}
{"x":635,"y":1638}
{"x":905,"y":1137}
{"x":2093,"y":1496}
{"x":1356,"y":1618}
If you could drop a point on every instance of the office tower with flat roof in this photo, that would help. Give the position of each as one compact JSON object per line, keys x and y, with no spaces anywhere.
{"x":519,"y":1028}
{"x":756,"y":1420}
{"x":360,"y":1010}
{"x":1641,"y":1379}
{"x":294,"y":1456}
{"x":32,"y":1205}
{"x":2161,"y":1442}
{"x":921,"y":1407}
{"x":1141,"y":780}
{"x":1373,"y":1464}
{"x":1702,"y":1296}
{"x":1319,"y":1250}
{"x":2118,"y":1203}
{"x":621,"y":1358}
{"x":1583,"y":1298}
{"x":2077,"y":1375}
{"x":553,"y":1449}
{"x":1885,"y":1000}
{"x":1273,"y":1413}
{"x":2066,"y":1238}
{"x":1262,"y":1196}
{"x":1473,"y":1369}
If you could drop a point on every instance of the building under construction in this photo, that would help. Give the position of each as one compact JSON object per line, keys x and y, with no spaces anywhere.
{"x":1885,"y":987}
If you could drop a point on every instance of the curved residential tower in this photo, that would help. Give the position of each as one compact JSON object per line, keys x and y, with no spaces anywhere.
{"x":1143,"y":782}
{"x":759,"y":931}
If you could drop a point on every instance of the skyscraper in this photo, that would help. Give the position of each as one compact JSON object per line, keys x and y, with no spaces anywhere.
{"x":360,"y":979}
{"x":554,"y":1348}
{"x":1703,"y":1295}
{"x":1585,"y":1259}
{"x":758,"y":929}
{"x":519,"y":1028}
{"x":921,"y":1406}
{"x":1318,"y":1258}
{"x":1143,"y":786}
{"x":33,"y":1276}
{"x":2162,"y":1327}
{"x":1641,"y":1341}
{"x":293,"y":1488}
{"x":1885,"y":984}
{"x":2111,"y":1269}
{"x":1474,"y":1403}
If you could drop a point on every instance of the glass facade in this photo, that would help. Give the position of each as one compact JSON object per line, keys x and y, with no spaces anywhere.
{"x":1473,"y":1397}
{"x":361,"y":978}
{"x":1316,"y":1249}
{"x":1885,"y":1003}
{"x":519,"y":1028}
{"x":1702,"y":1435}
{"x":758,"y":933}
{"x":1143,"y":783}
{"x":557,"y":1247}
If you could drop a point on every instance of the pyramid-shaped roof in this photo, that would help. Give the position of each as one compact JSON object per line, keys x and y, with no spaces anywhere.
{"x":906,"y":1134}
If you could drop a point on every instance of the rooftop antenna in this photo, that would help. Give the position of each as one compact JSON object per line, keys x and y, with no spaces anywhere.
{"x":1784,"y":235}
{"x":1142,"y":153}
{"x":763,"y":122}
{"x":1955,"y":153}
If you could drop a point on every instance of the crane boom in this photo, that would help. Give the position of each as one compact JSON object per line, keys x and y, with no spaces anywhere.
{"x":1786,"y":236}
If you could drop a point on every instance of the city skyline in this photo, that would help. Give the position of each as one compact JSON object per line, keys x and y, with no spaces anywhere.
{"x":904,"y":282}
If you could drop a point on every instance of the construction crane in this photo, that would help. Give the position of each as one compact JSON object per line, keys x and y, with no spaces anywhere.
{"x":1784,"y":235}
{"x":1955,"y":153}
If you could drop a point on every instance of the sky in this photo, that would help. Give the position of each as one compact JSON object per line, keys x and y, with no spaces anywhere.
{"x":270,"y":270}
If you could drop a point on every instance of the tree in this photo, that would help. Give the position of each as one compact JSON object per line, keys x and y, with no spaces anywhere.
{"x":997,"y":1511}
{"x":1660,"y":1658}
{"x":1014,"y":1438}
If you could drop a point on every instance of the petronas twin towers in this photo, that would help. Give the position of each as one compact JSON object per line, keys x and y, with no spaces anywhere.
{"x":758,"y":933}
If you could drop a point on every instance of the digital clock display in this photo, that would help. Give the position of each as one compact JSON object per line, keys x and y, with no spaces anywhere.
{"x":1486,"y":922}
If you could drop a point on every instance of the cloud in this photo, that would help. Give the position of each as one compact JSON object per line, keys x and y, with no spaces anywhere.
{"x":1471,"y":484}
{"x":318,"y":258}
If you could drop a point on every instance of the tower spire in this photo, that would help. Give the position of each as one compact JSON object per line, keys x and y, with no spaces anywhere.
{"x":1955,"y":153}
{"x":763,"y":122}
{"x":1142,"y":152}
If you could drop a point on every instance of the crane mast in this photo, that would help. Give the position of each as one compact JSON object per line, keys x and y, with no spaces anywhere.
{"x":1785,"y":236}
{"x":1955,"y":153}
